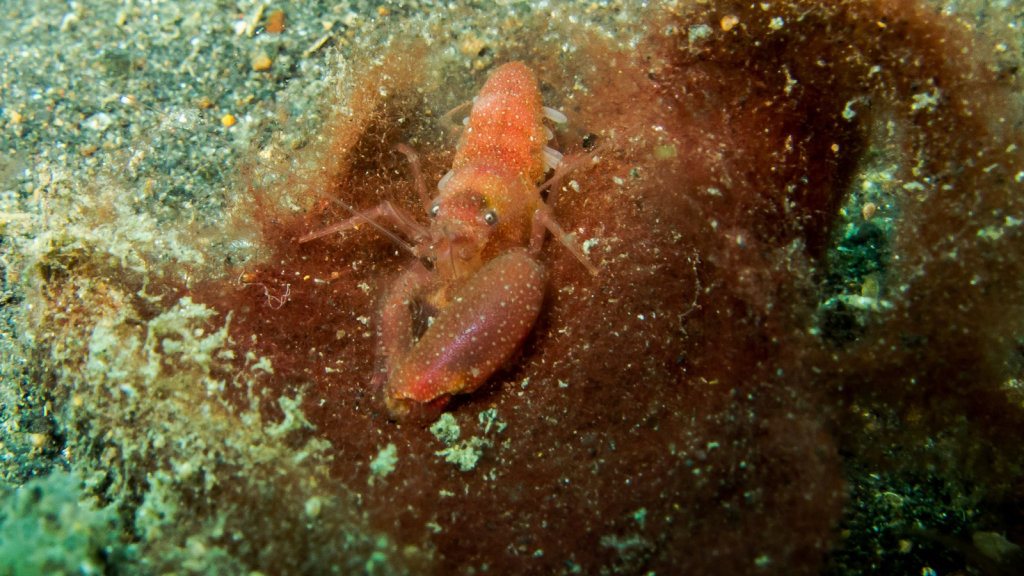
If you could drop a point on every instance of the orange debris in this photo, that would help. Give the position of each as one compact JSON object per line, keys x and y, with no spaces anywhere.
{"x":261,"y":62}
{"x":275,"y":22}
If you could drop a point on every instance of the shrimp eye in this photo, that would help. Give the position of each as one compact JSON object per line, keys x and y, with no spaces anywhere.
{"x":490,"y":217}
{"x":434,"y":210}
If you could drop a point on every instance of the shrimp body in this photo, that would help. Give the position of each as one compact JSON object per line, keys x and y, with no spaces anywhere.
{"x":476,"y":272}
{"x":505,"y":128}
{"x":487,"y":200}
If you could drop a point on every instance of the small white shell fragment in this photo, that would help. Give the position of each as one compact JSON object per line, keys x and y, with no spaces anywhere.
{"x":313,"y":507}
{"x":98,"y":122}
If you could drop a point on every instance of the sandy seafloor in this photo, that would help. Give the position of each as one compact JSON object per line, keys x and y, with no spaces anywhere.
{"x":130,"y":129}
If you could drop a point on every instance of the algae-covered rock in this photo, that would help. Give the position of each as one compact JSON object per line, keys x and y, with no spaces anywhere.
{"x":163,"y":423}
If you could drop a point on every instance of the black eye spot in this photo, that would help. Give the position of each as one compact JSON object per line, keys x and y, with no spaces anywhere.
{"x":491,"y":218}
{"x":434,"y":210}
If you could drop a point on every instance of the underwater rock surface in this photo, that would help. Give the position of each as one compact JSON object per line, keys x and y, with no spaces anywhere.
{"x":802,"y":353}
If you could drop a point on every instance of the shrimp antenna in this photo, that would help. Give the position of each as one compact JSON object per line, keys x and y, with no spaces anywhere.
{"x":394,"y":237}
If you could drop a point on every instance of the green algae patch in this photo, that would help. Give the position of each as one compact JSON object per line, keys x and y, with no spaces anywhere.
{"x":49,"y":526}
{"x":446,"y":429}
{"x":465,"y":454}
{"x":384,"y":463}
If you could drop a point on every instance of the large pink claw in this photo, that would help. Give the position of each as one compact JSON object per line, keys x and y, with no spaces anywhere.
{"x":474,"y":335}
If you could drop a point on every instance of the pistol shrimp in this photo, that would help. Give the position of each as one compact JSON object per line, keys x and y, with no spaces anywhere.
{"x":476,"y":261}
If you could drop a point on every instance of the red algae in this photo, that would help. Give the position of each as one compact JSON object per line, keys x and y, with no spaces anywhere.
{"x":682,"y":410}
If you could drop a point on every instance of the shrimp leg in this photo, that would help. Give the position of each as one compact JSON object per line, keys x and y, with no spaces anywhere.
{"x":406,"y":223}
